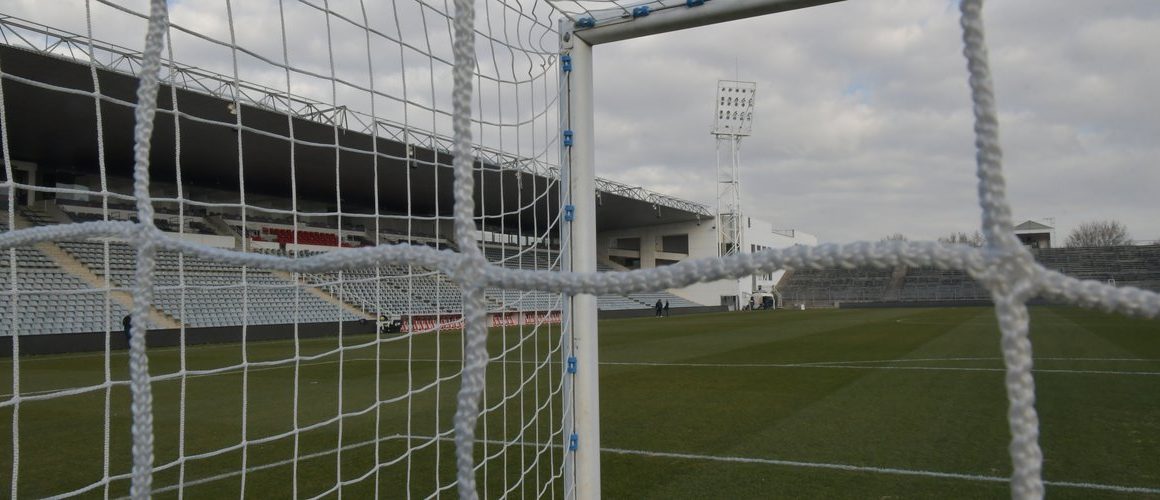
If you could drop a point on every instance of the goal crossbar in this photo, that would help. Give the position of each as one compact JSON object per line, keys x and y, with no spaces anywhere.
{"x":618,"y":27}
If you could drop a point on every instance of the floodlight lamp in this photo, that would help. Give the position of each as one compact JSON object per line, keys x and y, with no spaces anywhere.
{"x":735,"y":102}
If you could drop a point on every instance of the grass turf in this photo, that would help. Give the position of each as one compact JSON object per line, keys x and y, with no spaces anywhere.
{"x":904,"y":389}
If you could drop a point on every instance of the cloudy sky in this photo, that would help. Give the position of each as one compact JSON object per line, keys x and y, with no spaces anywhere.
{"x":863,"y":124}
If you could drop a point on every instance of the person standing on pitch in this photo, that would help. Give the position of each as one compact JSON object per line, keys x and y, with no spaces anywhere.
{"x":666,"y":308}
{"x":127,"y":322}
{"x":659,"y":307}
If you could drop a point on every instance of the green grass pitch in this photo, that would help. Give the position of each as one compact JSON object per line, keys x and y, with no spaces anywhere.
{"x":860,"y":403}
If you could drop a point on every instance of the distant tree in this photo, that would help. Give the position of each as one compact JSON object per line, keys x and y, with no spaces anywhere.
{"x":1104,"y":233}
{"x":975,"y":239}
{"x":894,"y":237}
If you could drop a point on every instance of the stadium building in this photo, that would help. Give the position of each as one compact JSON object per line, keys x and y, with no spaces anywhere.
{"x":665,"y":244}
{"x":293,"y":176}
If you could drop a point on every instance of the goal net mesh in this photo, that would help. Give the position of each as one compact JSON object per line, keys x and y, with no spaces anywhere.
{"x":355,"y":207}
{"x":264,"y":190}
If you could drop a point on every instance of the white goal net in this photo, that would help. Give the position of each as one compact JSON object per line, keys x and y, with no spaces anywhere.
{"x":264,"y":190}
{"x":313,"y":248}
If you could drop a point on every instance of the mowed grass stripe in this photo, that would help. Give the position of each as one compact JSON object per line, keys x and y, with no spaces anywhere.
{"x":1126,"y":335}
{"x":724,"y":411}
{"x":681,"y":338}
{"x":875,"y":470}
{"x":884,"y":417}
{"x":1098,"y":427}
{"x":876,"y":418}
{"x":647,"y":454}
{"x":895,"y":364}
{"x":214,"y":408}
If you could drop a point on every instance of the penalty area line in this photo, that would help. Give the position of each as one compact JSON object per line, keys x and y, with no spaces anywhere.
{"x":877,"y":470}
{"x":872,"y":367}
{"x":443,"y":437}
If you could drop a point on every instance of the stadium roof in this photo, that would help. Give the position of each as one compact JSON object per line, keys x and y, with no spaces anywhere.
{"x":58,"y":130}
{"x":1032,"y":225}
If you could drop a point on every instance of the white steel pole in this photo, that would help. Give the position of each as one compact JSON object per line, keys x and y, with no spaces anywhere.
{"x":582,"y":183}
{"x":738,"y":221}
{"x":720,"y":225}
{"x":612,"y":26}
{"x":568,"y":420}
{"x":739,"y":224}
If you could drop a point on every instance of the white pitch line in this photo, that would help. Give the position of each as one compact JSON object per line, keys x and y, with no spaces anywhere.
{"x":993,"y":358}
{"x":237,"y":370}
{"x":1145,"y":360}
{"x":856,"y":367}
{"x":878,"y":470}
{"x":847,"y":365}
{"x":899,"y":360}
{"x":714,"y":458}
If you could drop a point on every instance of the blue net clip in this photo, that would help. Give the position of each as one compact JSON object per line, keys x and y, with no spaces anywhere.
{"x":567,"y":138}
{"x":573,"y":442}
{"x":694,"y":3}
{"x":640,"y":11}
{"x":569,"y":213}
{"x":566,"y":63}
{"x":587,"y":22}
{"x":571,"y":362}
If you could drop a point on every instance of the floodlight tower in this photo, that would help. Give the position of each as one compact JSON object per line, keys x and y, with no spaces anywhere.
{"x":733,"y":121}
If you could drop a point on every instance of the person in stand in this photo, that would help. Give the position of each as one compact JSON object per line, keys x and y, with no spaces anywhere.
{"x":666,"y":308}
{"x":659,"y":307}
{"x":127,"y":322}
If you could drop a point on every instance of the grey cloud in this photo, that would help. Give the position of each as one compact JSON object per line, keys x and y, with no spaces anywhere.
{"x":864,"y":120}
{"x":863,"y":123}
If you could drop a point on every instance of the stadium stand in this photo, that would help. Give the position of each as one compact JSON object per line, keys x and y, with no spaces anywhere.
{"x":542,"y":259}
{"x":64,"y":300}
{"x":827,"y":287}
{"x":286,"y":236}
{"x":54,"y":301}
{"x":619,"y":303}
{"x":59,"y":301}
{"x":392,"y":290}
{"x":167,"y":219}
{"x":35,"y":216}
{"x":645,"y":300}
{"x":426,"y":292}
{"x":516,"y":300}
{"x":215,"y":294}
{"x":1137,"y":266}
{"x":651,"y":298}
{"x":924,"y":283}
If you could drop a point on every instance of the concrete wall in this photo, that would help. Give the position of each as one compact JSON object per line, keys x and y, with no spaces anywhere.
{"x":89,"y":342}
{"x":212,"y":240}
{"x":916,"y":303}
{"x":650,"y":312}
